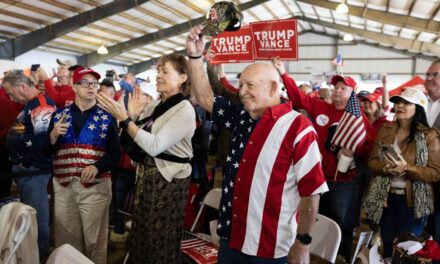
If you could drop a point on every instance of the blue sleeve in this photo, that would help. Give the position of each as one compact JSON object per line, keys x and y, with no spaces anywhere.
{"x":224,"y":111}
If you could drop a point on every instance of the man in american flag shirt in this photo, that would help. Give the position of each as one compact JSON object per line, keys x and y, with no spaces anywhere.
{"x":272,"y":177}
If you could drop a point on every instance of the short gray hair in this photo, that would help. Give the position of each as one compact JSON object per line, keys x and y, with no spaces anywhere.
{"x":15,"y":78}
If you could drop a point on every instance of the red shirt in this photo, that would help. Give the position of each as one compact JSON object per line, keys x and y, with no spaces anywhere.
{"x":325,"y":116}
{"x":228,"y":85}
{"x":62,"y":95}
{"x":9,"y":110}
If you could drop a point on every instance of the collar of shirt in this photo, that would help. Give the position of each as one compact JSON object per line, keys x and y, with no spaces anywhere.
{"x":75,"y":108}
{"x":279,"y":110}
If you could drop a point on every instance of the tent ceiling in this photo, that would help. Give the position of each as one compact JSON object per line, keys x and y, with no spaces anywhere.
{"x":148,"y":29}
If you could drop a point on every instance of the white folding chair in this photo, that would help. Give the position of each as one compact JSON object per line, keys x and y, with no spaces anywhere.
{"x":67,"y":254}
{"x":326,"y":238}
{"x":192,"y":241}
{"x":212,"y":199}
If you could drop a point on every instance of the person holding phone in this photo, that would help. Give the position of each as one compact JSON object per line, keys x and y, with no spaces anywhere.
{"x":405,"y":158}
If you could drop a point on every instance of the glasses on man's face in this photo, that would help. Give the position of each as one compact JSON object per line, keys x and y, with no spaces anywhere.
{"x":432,"y":74}
{"x":86,"y":83}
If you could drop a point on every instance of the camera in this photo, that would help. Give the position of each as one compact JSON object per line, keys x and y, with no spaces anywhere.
{"x":109,"y":74}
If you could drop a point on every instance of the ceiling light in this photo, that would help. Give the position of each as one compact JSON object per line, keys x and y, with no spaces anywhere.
{"x":348,"y":37}
{"x":342,"y":8}
{"x":102,"y":50}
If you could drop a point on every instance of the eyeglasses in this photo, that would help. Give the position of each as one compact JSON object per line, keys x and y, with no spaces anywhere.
{"x":86,"y":84}
{"x":432,"y":74}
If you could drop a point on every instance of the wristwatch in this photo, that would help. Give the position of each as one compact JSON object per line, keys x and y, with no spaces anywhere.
{"x":305,"y":239}
{"x":124,"y":124}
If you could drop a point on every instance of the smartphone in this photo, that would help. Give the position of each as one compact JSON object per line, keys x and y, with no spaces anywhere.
{"x":388,"y":148}
{"x":34,"y":67}
{"x":63,"y":118}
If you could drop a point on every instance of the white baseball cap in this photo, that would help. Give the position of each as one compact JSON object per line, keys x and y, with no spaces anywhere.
{"x":414,"y":96}
{"x":150,"y":89}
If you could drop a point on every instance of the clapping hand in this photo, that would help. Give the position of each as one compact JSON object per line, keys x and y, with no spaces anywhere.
{"x":112,"y":107}
{"x":137,"y":103}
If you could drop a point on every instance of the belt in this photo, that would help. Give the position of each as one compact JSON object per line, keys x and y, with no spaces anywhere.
{"x":398,"y":191}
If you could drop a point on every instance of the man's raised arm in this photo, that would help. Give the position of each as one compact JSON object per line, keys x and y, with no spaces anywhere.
{"x":195,"y":44}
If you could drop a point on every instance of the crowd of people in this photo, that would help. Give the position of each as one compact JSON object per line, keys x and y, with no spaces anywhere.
{"x":93,"y":146}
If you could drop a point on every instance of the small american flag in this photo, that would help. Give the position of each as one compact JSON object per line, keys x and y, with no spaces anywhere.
{"x":350,"y":132}
{"x":338,"y":60}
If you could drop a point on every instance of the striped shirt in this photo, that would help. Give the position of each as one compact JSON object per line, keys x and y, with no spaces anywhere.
{"x":272,"y":163}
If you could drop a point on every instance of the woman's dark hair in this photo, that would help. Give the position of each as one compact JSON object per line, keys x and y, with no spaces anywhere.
{"x":419,"y":117}
{"x":180,"y":64}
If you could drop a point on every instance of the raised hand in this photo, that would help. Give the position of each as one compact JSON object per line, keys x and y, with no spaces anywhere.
{"x":279,"y":65}
{"x":137,"y":103}
{"x":112,"y":107}
{"x":195,"y":42}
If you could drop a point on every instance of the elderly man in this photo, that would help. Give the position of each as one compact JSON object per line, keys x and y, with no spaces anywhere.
{"x":87,"y":148}
{"x":432,"y":85}
{"x":273,"y":170}
{"x":26,"y":140}
{"x":337,"y":203}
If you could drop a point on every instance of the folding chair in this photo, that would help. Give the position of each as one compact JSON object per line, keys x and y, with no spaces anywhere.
{"x":326,"y":238}
{"x":198,"y":247}
{"x":18,"y":223}
{"x":67,"y":254}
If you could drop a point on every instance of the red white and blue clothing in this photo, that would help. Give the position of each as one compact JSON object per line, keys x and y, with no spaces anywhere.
{"x":91,"y":138}
{"x":325,"y":120}
{"x":271,"y":164}
{"x":27,"y":137}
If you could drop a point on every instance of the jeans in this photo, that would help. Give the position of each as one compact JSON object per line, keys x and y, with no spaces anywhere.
{"x":33,"y":192}
{"x":338,"y":204}
{"x":398,"y":218}
{"x":227,"y":255}
{"x":123,"y":183}
{"x":5,"y":175}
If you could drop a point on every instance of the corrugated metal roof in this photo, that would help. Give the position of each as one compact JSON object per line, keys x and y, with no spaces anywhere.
{"x":388,"y":22}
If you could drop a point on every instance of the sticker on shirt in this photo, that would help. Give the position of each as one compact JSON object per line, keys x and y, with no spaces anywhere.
{"x":322,"y":120}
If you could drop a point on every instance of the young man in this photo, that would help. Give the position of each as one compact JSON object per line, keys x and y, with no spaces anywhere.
{"x":27,"y":138}
{"x":87,"y":148}
{"x":273,"y":169}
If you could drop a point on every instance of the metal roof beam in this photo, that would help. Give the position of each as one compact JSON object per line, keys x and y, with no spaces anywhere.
{"x":145,"y":65}
{"x":24,"y":43}
{"x":95,"y":58}
{"x":415,"y":23}
{"x":408,"y":44}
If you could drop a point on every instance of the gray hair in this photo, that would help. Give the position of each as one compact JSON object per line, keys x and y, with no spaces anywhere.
{"x":15,"y":78}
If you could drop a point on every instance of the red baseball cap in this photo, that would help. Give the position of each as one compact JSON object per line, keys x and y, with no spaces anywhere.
{"x":372,"y":97}
{"x":81,"y":71}
{"x":347,"y":80}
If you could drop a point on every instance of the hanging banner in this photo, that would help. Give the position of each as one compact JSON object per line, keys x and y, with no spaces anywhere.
{"x":233,"y":46}
{"x":275,"y":38}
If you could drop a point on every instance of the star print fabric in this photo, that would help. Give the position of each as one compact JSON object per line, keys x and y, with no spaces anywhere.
{"x":238,"y":121}
{"x":91,"y":138}
{"x":27,"y":137}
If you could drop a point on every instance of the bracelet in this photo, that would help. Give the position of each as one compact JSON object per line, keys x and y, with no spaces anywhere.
{"x":124,"y":124}
{"x":194,"y":57}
